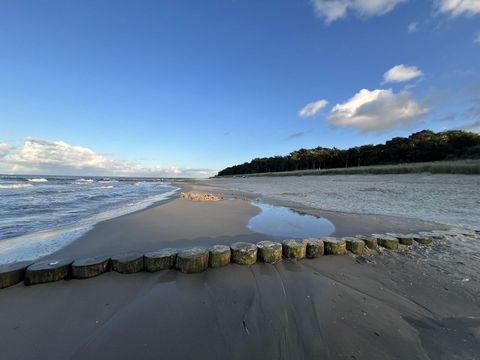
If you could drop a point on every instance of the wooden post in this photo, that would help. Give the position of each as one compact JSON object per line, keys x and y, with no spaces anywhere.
{"x":404,"y":239}
{"x":354,"y":245}
{"x":244,"y":253}
{"x":294,"y":249}
{"x":334,"y":246}
{"x":47,"y":271}
{"x":193,"y":260}
{"x":370,"y":241}
{"x":90,"y":267}
{"x":388,"y":242}
{"x":128,"y":263}
{"x":219,"y":255}
{"x":315,"y":248}
{"x":13,"y":273}
{"x":160,"y":260}
{"x":269,"y":252}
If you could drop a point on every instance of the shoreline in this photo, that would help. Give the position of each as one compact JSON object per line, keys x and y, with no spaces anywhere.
{"x":414,"y":303}
{"x":26,"y":247}
{"x":115,"y":233}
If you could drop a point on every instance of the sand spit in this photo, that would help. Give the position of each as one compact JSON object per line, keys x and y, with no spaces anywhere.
{"x":200,"y":196}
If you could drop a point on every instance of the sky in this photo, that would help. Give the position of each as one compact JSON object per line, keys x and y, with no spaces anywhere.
{"x":185,"y":88}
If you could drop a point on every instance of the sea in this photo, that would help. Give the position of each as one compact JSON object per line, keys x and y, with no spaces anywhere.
{"x":41,"y":214}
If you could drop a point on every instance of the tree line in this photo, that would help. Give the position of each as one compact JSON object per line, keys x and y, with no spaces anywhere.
{"x":421,"y":146}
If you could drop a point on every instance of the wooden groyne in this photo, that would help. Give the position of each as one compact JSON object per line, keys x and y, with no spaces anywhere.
{"x":198,"y":259}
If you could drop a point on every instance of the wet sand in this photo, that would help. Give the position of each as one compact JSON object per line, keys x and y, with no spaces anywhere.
{"x":411,"y":304}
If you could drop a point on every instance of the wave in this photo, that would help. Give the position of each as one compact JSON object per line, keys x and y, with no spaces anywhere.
{"x":102,"y":187}
{"x":14,"y":186}
{"x":37,"y":180}
{"x":81,"y":181}
{"x":41,"y":243}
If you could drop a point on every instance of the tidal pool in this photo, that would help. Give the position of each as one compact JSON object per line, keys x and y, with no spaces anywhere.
{"x":284,"y":222}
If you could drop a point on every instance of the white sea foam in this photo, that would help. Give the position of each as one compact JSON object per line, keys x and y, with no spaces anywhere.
{"x":36,"y":245}
{"x":14,"y":186}
{"x":80,"y":181}
{"x":37,"y":180}
{"x":102,"y":187}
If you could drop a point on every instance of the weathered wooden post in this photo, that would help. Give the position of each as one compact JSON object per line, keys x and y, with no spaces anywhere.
{"x":404,"y":239}
{"x":244,"y":253}
{"x":162,"y":259}
{"x":354,"y":245}
{"x":423,"y":238}
{"x":128,"y":263}
{"x":315,"y":248}
{"x":370,"y":241}
{"x":192,"y":261}
{"x":294,"y":249}
{"x":47,"y":271}
{"x":13,"y":273}
{"x":334,"y":246}
{"x":90,"y":267}
{"x":388,"y":242}
{"x":269,"y":252}
{"x":219,"y":255}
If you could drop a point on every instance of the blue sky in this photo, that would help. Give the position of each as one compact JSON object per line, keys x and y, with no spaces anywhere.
{"x":186,"y":88}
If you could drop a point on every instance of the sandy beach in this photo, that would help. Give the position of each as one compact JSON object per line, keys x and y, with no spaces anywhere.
{"x":415,"y":303}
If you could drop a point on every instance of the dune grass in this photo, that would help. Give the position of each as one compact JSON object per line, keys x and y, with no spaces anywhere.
{"x":470,"y":167}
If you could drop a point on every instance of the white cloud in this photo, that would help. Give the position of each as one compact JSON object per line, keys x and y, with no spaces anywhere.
{"x":412,"y":27}
{"x":58,"y":157}
{"x":312,"y":108}
{"x":401,"y":73}
{"x":331,"y":10}
{"x":376,"y":110}
{"x":456,"y":8}
{"x":476,"y":39}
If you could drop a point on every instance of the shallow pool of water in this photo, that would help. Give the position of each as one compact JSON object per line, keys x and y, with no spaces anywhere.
{"x":284,"y":222}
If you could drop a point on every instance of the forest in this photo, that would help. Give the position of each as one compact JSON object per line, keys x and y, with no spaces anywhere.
{"x":422,"y":146}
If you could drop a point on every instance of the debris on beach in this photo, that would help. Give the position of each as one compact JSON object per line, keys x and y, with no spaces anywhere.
{"x":200,"y":196}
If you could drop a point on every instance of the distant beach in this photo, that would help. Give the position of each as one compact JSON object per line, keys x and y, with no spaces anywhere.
{"x":416,"y":303}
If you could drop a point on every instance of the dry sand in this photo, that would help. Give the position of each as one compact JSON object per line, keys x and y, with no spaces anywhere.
{"x":409,"y":304}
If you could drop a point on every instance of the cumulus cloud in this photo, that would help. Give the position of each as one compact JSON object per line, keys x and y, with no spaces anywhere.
{"x":376,"y":110}
{"x":331,"y":10}
{"x":58,"y":157}
{"x":457,"y":8}
{"x":401,"y":73}
{"x":412,"y":27}
{"x":312,"y":108}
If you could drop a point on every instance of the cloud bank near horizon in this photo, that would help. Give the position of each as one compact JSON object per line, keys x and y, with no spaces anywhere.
{"x":38,"y":156}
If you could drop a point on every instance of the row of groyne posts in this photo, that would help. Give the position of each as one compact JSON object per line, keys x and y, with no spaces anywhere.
{"x":198,"y":259}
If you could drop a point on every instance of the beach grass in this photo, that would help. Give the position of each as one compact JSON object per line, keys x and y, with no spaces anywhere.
{"x":467,"y":167}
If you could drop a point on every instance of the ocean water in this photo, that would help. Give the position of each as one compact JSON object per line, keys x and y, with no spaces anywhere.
{"x":39,"y":215}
